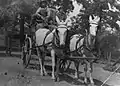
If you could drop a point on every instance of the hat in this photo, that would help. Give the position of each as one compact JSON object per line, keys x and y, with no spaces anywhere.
{"x":43,"y":3}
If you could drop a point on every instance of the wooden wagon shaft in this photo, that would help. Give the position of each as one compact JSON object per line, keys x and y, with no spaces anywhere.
{"x":80,"y":57}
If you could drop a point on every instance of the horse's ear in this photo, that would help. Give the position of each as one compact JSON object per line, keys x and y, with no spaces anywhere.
{"x":57,"y":19}
{"x":68,"y":22}
{"x":97,"y":19}
{"x":90,"y":19}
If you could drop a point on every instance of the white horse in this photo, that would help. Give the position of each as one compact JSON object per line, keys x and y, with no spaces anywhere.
{"x":47,"y":41}
{"x":77,"y":45}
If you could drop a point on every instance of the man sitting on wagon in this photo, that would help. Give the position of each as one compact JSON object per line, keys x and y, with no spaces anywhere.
{"x":42,"y":18}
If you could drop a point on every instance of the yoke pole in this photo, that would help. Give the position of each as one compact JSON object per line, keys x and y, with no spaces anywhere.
{"x":110,"y":75}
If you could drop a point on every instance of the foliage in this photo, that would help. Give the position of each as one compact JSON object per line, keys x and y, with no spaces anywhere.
{"x":10,"y":8}
{"x":100,"y":8}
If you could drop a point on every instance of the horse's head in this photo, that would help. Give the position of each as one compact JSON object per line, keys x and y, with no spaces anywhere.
{"x":93,"y":24}
{"x":61,"y":32}
{"x":93,"y":28}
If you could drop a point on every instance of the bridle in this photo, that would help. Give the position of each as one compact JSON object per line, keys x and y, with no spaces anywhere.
{"x":92,"y":38}
{"x":94,"y":23}
{"x":56,"y":40}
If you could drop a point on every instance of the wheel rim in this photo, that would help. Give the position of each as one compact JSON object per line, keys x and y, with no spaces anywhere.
{"x":27,"y":51}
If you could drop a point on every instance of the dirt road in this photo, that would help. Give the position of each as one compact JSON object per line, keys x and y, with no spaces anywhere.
{"x":12,"y":73}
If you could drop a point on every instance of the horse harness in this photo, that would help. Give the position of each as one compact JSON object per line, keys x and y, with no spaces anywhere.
{"x":55,"y":42}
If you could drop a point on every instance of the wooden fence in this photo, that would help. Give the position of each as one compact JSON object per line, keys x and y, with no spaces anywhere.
{"x":15,"y":43}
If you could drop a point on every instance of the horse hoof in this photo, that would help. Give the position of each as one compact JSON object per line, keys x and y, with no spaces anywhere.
{"x":76,"y":77}
{"x":53,"y":78}
{"x":45,"y":74}
{"x":85,"y":82}
{"x":57,"y":79}
{"x":41,"y":74}
{"x":92,"y":84}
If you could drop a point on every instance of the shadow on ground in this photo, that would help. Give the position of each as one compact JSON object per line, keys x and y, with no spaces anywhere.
{"x":68,"y":76}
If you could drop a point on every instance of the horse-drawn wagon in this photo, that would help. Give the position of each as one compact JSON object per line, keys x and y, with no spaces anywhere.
{"x":55,"y":42}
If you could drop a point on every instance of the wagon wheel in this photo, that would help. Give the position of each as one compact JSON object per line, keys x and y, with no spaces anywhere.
{"x":27,"y":52}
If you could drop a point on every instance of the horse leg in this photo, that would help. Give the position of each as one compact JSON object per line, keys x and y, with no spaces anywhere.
{"x":57,"y":70}
{"x":43,"y":59}
{"x":85,"y":67}
{"x":85,"y":71}
{"x":76,"y":69}
{"x":90,"y":73}
{"x":82,"y":52}
{"x":40,"y":61}
{"x":67,"y":65}
{"x":53,"y":63}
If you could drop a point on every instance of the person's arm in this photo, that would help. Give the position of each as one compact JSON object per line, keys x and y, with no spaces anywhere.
{"x":38,"y":10}
{"x":48,"y":12}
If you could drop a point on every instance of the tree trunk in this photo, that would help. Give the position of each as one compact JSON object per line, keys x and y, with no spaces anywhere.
{"x":21,"y":29}
{"x":7,"y":39}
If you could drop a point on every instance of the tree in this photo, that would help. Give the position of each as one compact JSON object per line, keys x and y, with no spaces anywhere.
{"x":103,"y":8}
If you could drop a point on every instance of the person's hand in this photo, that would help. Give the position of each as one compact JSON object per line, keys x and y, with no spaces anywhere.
{"x":38,"y":15}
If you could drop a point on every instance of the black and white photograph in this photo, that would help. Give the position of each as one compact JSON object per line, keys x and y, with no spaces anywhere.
{"x":59,"y":42}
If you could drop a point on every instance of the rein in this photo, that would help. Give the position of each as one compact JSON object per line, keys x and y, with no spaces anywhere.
{"x":76,"y":49}
{"x":86,"y":45}
{"x":45,"y":38}
{"x":55,"y":40}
